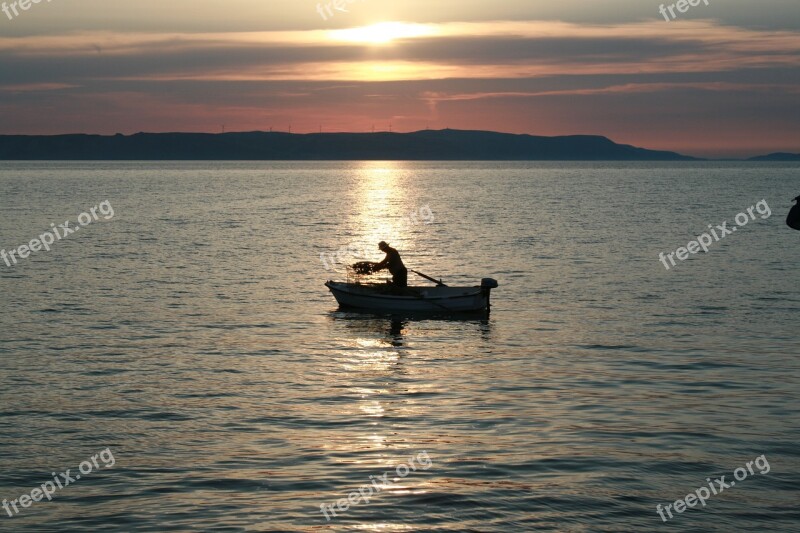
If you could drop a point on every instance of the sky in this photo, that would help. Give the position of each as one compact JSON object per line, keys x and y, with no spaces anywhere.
{"x":720,"y":80}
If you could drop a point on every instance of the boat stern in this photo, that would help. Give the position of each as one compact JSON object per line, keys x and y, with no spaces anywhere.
{"x":487,"y":284}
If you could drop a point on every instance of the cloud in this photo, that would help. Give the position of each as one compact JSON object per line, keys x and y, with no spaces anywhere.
{"x":540,"y":76}
{"x":457,"y":50}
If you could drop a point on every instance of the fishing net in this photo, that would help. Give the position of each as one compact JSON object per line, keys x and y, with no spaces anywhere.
{"x":363,"y":268}
{"x":361,"y":272}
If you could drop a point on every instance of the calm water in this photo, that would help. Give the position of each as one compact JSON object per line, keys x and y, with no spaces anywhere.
{"x":191,"y":334}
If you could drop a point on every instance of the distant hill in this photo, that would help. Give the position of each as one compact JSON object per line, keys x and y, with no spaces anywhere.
{"x":777,"y":156}
{"x":420,"y":145}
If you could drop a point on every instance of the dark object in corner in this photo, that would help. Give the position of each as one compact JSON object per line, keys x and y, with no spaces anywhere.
{"x":793,"y":219}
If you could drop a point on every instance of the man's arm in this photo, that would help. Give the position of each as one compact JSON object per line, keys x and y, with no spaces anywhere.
{"x":383,"y":264}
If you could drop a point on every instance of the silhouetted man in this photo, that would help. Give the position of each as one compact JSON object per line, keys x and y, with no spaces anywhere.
{"x":394,"y":264}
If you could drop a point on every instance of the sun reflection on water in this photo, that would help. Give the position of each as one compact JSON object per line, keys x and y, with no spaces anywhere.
{"x":383,"y":206}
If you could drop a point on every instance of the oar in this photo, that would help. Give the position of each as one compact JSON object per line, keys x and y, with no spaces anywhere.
{"x":438,"y":282}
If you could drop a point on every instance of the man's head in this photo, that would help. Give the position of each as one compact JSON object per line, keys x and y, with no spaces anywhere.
{"x":383,"y":246}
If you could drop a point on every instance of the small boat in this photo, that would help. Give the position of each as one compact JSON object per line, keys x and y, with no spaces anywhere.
{"x":385,"y":298}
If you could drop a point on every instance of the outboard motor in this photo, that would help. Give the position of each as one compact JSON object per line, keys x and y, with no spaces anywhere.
{"x":489,"y":283}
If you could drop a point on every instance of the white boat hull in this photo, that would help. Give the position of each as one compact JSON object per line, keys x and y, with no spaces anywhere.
{"x":378,"y":298}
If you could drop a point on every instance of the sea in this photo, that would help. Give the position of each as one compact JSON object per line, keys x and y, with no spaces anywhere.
{"x":174,"y":361}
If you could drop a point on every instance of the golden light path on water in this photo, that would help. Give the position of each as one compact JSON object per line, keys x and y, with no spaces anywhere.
{"x":382,"y":195}
{"x":382,"y":358}
{"x":382,"y":202}
{"x":381,"y":210}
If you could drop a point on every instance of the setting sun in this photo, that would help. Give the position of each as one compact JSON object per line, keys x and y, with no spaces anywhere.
{"x":382,"y":32}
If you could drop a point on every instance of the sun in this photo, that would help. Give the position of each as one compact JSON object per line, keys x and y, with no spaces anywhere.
{"x":382,"y":33}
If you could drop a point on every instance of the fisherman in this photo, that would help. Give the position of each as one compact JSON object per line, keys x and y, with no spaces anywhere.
{"x":395,"y":265}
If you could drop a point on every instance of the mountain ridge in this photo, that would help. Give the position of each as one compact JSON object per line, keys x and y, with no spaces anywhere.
{"x":424,"y":145}
{"x":776,"y":156}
